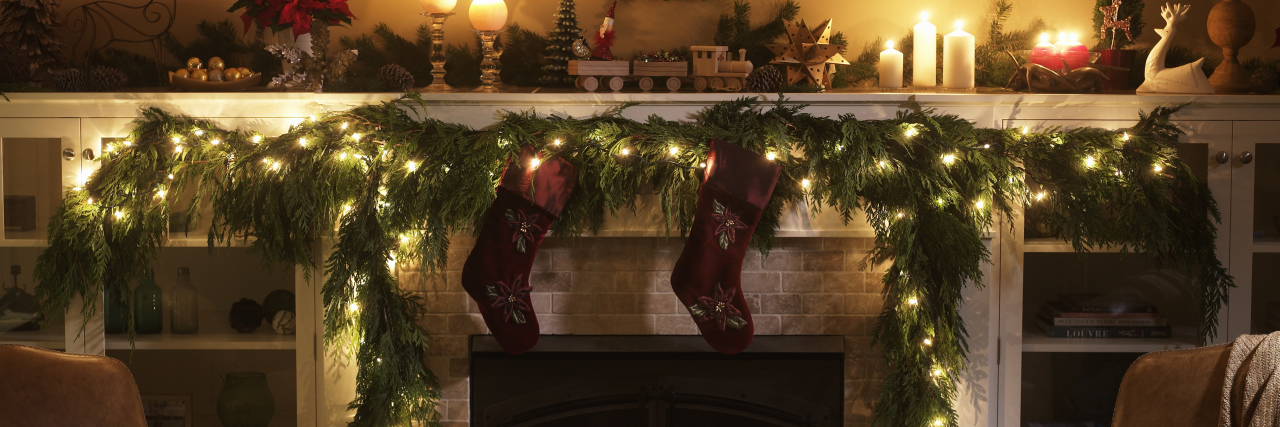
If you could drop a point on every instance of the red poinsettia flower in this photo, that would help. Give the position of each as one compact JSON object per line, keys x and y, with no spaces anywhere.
{"x":524,"y":228}
{"x":510,"y":299}
{"x":727,"y":225}
{"x":719,"y":308}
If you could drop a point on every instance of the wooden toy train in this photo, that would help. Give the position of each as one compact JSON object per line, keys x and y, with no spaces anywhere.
{"x":713,"y":67}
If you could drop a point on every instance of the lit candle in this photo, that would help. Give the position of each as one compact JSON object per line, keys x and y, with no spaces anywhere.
{"x":488,"y":15}
{"x":437,"y":6}
{"x":1046,"y":54}
{"x":1075,"y":53}
{"x":890,"y":67}
{"x":925,"y":55}
{"x":958,"y":59}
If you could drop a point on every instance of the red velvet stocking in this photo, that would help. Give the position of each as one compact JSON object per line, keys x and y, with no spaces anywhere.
{"x":708,"y":276}
{"x":496,"y":273}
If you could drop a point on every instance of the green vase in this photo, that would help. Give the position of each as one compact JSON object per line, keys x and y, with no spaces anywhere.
{"x":117,"y":312}
{"x":148,"y":317}
{"x":245,"y":400}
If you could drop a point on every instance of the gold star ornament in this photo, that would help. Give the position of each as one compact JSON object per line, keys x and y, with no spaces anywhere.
{"x":809,"y":56}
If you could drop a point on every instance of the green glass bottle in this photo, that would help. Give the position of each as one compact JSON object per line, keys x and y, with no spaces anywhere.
{"x":117,"y":312}
{"x":148,"y":317}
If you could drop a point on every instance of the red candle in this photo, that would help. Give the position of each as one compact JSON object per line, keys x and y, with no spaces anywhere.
{"x":1076,"y":54}
{"x":1046,"y":54}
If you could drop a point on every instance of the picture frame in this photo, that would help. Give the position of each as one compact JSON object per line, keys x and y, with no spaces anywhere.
{"x":167,"y":410}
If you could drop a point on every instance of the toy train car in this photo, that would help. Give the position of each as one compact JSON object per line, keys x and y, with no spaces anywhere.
{"x":713,"y":68}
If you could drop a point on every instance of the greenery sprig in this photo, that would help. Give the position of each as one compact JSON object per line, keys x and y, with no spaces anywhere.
{"x":386,"y":185}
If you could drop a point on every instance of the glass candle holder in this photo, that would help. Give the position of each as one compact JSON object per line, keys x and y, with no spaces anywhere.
{"x":487,"y":66}
{"x":437,"y":52}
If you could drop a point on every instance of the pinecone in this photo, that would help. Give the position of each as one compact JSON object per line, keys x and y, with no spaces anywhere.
{"x":69,"y":80}
{"x":766,"y":79}
{"x":106,"y":79}
{"x":396,"y":77}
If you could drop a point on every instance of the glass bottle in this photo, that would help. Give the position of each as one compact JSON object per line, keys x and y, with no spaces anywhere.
{"x":117,"y":312}
{"x":147,"y":314}
{"x":184,"y":309}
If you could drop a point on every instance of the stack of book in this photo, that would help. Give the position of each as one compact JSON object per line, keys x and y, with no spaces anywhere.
{"x":1089,"y":315}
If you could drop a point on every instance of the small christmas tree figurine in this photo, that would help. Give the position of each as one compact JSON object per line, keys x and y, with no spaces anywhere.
{"x":30,"y":25}
{"x":560,"y":46}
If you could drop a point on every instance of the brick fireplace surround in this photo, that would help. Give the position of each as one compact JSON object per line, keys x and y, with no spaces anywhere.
{"x":621,"y":286}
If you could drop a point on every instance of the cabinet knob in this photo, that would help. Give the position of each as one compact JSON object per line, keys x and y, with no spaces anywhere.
{"x":1222,"y":157}
{"x":68,"y":154}
{"x":1246,"y":157}
{"x":88,"y":154}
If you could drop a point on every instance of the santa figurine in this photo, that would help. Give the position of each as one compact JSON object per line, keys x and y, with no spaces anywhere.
{"x":604,"y":37}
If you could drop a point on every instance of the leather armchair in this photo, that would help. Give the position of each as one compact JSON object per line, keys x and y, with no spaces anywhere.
{"x":1174,"y":388}
{"x":41,"y":387}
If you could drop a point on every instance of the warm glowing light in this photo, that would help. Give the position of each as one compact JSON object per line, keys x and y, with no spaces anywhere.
{"x":924,"y":16}
{"x":534,"y":163}
{"x":986,"y":146}
{"x":913,"y":301}
{"x":928,"y":341}
{"x":411,"y":166}
{"x":160,"y":194}
{"x":804,"y":183}
{"x":311,"y":118}
{"x":1126,"y":136}
{"x":119,"y":214}
{"x":177,"y":148}
{"x":937,"y":422}
{"x":937,"y":373}
{"x":557,"y":142}
{"x":404,"y":238}
{"x":199,"y":132}
{"x":302,"y":142}
{"x":1075,"y":38}
{"x":257,"y":139}
{"x":674,"y":150}
{"x":911,"y":132}
{"x":941,"y":202}
{"x":128,"y":143}
{"x":215,"y":142}
{"x":342,"y":156}
{"x":771,"y":156}
{"x":889,"y":44}
{"x":75,"y":188}
{"x":90,"y":201}
{"x":1089,"y":162}
{"x":110,"y":149}
{"x":1026,"y":129}
{"x":177,"y":140}
{"x":1044,"y":37}
{"x":979,"y":204}
{"x":354,"y":307}
{"x":267,"y":160}
{"x":1062,"y":37}
{"x":1159,"y":168}
{"x":1040,"y":196}
{"x":626,"y":151}
{"x":949,"y":159}
{"x":170,"y":176}
{"x":882,"y":164}
{"x":839,"y":148}
{"x":900,"y":215}
{"x":959,"y":25}
{"x":702,"y":165}
{"x":345,"y":209}
{"x":355,"y":136}
{"x":344,"y":125}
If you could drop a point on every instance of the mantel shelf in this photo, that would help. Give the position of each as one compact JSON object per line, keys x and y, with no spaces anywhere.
{"x":259,"y":340}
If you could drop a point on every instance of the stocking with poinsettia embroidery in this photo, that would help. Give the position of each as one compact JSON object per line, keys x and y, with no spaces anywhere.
{"x":529,"y":197}
{"x":708,"y":276}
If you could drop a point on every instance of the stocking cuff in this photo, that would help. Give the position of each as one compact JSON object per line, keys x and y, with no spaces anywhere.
{"x":546,"y":184}
{"x":742,"y":173}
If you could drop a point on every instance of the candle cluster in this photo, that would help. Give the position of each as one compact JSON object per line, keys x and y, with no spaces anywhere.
{"x":1068,"y":52}
{"x":958,"y":58}
{"x":486,"y":15}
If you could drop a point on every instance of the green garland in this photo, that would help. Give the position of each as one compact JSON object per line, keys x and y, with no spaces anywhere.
{"x":398,"y":186}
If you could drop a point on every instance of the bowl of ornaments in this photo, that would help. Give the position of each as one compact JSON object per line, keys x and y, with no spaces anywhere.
{"x":213,"y":77}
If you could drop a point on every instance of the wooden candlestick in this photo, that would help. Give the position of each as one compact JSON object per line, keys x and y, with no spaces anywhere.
{"x":1231,"y":26}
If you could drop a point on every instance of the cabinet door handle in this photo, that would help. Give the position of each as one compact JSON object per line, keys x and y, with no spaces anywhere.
{"x":1222,"y":157}
{"x":68,"y":154}
{"x":1246,"y":157}
{"x":88,"y":154}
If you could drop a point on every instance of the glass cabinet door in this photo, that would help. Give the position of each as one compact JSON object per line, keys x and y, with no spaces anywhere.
{"x":41,"y":158}
{"x":1255,"y":232}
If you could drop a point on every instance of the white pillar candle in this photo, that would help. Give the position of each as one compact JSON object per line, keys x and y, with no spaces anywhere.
{"x":925,"y":54}
{"x":958,"y":59}
{"x":438,"y":6}
{"x":890,"y":67}
{"x":488,"y":15}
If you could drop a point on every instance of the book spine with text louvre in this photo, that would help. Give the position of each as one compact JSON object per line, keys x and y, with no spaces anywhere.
{"x":1095,"y":321}
{"x":1106,"y":331}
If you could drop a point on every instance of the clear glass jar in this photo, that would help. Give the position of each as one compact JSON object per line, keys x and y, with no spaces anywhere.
{"x":184,"y":307}
{"x":147,"y":306}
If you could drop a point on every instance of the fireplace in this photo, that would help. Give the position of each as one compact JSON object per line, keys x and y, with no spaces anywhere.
{"x":658,"y":381}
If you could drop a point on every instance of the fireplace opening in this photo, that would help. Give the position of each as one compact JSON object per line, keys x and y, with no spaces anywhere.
{"x":643,"y":381}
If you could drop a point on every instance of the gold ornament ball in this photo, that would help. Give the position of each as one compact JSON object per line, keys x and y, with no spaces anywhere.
{"x":215,"y":63}
{"x":245,"y":72}
{"x":215,"y":75}
{"x":182,"y":73}
{"x":193,"y":63}
{"x":231,"y":74}
{"x":200,"y":75}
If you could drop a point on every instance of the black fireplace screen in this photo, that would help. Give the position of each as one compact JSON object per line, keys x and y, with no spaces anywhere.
{"x":658,"y":381}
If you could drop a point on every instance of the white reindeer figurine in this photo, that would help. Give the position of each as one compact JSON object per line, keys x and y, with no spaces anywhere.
{"x":1188,"y":78}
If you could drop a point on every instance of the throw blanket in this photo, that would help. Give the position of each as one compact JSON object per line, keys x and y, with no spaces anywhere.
{"x":1257,"y":358}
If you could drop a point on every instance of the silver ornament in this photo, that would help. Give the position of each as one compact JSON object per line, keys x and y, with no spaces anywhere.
{"x":580,"y":49}
{"x":283,"y":322}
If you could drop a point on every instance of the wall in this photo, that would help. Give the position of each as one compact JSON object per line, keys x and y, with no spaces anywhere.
{"x":648,"y":25}
{"x":621,"y":286}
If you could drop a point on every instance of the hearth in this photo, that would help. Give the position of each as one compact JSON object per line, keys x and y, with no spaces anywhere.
{"x":658,"y":381}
